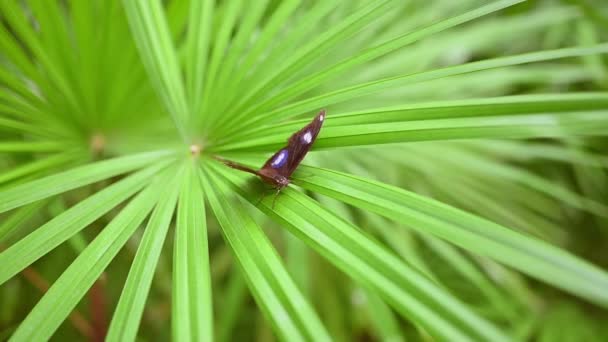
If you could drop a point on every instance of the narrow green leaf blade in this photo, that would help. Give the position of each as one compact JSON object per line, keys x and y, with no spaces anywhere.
{"x":311,"y":52}
{"x":383,"y":318}
{"x":318,"y":78}
{"x":250,"y":19}
{"x":41,"y":165}
{"x":278,"y":20}
{"x":352,"y":92}
{"x":448,"y":109}
{"x":71,"y":179}
{"x":151,"y":33}
{"x":192,"y":315}
{"x":343,"y":244}
{"x":292,"y":317}
{"x":199,"y":36}
{"x":65,"y":225}
{"x":32,"y":146}
{"x":17,"y":218}
{"x":73,"y":284}
{"x":522,"y":116}
{"x":226,"y":20}
{"x":130,"y":308}
{"x":526,"y":254}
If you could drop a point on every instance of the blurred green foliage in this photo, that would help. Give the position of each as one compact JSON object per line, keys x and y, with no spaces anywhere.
{"x":457,"y":191}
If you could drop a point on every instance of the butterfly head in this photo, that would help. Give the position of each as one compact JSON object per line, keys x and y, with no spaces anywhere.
{"x":273,"y":177}
{"x":280,"y":181}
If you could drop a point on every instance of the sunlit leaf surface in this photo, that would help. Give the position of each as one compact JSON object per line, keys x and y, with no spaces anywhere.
{"x":456,"y":192}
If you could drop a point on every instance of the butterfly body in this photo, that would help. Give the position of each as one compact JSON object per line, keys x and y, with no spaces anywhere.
{"x":278,"y":169}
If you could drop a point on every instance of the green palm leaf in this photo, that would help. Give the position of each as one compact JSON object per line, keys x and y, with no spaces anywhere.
{"x":457,"y":190}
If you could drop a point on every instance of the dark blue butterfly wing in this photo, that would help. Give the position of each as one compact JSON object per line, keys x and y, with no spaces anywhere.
{"x":286,"y":160}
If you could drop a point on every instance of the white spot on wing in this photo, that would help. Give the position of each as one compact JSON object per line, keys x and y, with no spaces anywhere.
{"x":280,"y":159}
{"x":321,"y":117}
{"x":307,"y":138}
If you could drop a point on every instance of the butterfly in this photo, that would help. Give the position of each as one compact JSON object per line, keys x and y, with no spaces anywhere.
{"x":278,"y":169}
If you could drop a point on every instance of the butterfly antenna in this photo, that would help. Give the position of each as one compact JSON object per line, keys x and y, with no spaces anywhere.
{"x":236,"y":165}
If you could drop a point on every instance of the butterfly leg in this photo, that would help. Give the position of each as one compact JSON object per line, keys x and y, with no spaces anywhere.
{"x":275,"y":197}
